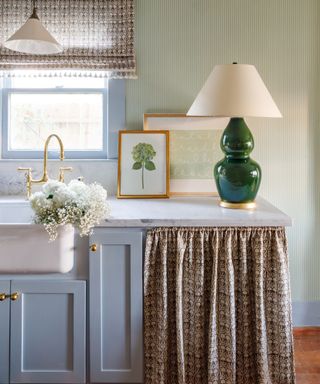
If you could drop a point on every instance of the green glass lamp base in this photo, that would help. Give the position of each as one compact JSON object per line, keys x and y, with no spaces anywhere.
{"x":237,"y":176}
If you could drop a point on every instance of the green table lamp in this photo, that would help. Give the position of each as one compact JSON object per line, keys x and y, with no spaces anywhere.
{"x":235,"y":91}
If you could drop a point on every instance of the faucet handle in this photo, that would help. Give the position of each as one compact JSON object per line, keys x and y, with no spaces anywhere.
{"x":28,"y":171}
{"x":28,"y":174}
{"x":24,"y":169}
{"x":62,"y":171}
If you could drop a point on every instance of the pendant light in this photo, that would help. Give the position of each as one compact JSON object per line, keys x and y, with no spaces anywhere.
{"x":33,"y":38}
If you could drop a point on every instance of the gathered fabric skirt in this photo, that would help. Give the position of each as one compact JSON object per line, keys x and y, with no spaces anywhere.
{"x":217,"y":306}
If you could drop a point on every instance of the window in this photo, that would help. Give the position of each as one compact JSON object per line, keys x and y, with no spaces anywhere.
{"x":86,"y":113}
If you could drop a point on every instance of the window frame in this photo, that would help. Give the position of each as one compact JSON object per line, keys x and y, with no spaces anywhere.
{"x":113,"y":103}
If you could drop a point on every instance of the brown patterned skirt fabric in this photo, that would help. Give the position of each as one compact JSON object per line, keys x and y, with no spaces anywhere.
{"x":217,"y":306}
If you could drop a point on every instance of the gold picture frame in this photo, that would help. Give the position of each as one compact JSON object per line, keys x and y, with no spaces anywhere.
{"x":128,"y":187}
{"x":192,"y":130}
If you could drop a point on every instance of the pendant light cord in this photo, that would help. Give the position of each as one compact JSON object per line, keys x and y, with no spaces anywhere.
{"x":34,"y":10}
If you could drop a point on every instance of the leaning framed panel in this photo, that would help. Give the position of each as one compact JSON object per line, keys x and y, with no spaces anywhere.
{"x":143,"y":165}
{"x":194,"y":149}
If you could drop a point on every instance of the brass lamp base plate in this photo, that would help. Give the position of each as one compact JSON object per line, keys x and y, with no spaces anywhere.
{"x":249,"y":205}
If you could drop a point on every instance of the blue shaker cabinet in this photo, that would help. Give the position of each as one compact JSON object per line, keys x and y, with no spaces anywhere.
{"x":4,"y":331}
{"x":116,"y":315}
{"x":47,"y":332}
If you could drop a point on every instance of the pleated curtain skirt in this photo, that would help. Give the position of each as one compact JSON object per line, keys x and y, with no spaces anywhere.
{"x":217,"y":306}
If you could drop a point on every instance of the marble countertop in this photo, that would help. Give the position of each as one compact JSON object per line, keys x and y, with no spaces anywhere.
{"x":190,"y":211}
{"x":176,"y":211}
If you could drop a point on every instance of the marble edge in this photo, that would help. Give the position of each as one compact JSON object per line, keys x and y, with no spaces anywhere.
{"x":285,"y":222}
{"x":273,"y":218}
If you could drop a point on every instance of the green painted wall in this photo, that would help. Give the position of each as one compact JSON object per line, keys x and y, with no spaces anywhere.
{"x":178,"y":43}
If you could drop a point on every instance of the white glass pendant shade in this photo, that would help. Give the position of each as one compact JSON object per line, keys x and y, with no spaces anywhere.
{"x":33,"y":38}
{"x":234,"y":90}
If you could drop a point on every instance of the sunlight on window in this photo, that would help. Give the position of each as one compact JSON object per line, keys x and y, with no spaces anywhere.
{"x":76,"y":118}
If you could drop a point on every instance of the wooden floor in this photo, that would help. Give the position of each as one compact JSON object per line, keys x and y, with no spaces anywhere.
{"x":307,"y":355}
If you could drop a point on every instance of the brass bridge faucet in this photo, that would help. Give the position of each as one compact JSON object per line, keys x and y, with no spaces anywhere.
{"x":45,"y":176}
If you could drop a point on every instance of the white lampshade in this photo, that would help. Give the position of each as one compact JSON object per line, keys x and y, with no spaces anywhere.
{"x":33,"y":38}
{"x":234,"y":90}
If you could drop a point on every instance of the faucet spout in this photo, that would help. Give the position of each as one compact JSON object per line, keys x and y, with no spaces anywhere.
{"x":45,"y":176}
{"x":45,"y":155}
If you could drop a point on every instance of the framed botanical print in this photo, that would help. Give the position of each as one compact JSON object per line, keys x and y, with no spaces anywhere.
{"x":194,"y":149}
{"x":143,"y":166}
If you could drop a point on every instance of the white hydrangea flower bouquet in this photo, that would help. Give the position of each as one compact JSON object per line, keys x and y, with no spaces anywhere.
{"x":82,"y":205}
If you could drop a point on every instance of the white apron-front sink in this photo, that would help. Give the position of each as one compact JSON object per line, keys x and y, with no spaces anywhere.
{"x":25,"y":247}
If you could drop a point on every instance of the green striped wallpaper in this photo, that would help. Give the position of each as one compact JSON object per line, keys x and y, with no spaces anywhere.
{"x":178,"y":43}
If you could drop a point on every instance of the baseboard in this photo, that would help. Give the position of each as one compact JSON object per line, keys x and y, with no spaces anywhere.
{"x":306,"y":331}
{"x":306,"y":313}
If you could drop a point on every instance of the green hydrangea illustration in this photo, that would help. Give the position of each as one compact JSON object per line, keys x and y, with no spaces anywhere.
{"x":142,"y":155}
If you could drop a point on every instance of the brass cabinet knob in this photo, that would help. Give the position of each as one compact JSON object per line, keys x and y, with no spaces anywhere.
{"x":3,"y":296}
{"x":14,"y":296}
{"x":93,"y":247}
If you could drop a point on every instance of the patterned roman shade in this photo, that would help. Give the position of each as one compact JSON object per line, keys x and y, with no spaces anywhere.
{"x":97,"y":37}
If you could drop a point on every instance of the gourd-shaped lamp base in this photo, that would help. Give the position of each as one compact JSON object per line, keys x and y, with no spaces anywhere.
{"x":237,"y":176}
{"x":235,"y":90}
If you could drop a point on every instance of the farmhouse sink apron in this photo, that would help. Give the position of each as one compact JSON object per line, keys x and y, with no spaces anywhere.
{"x":25,"y":247}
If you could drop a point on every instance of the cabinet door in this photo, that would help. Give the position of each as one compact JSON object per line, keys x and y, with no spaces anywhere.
{"x":4,"y":332}
{"x":48,"y":332}
{"x":116,"y":320}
